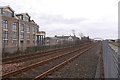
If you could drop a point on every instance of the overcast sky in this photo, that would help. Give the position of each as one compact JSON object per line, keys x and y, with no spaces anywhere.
{"x":94,"y":18}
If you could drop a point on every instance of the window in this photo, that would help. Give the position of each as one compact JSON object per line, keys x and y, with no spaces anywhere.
{"x":14,"y":35}
{"x":14,"y":42}
{"x":28,"y":28}
{"x":7,"y":13}
{"x":21,"y":35}
{"x":33,"y":36}
{"x":28,"y":36}
{"x":14,"y":26}
{"x":34,"y":42}
{"x":21,"y":41}
{"x":5,"y":34}
{"x":37,"y":29}
{"x":33,"y":29}
{"x":25,"y":18}
{"x":5,"y":24}
{"x":22,"y":27}
{"x":28,"y":42}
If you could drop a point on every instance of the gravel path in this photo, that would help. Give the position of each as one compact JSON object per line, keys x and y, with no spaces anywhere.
{"x":82,"y":67}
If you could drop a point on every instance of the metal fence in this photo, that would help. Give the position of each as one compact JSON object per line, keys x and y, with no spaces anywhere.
{"x":111,"y":61}
{"x":41,"y":48}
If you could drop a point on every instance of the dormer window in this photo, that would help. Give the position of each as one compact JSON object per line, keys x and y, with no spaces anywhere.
{"x":7,"y":11}
{"x":24,"y":17}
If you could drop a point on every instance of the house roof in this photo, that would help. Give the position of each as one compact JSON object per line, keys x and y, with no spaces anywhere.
{"x":23,"y":14}
{"x":2,"y":7}
{"x":41,"y":33}
{"x":51,"y":38}
{"x":66,"y":37}
{"x":32,"y":21}
{"x":62,"y":37}
{"x":16,"y":16}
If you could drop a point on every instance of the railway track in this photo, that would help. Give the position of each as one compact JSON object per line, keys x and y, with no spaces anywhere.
{"x":25,"y":62}
{"x":17,"y":63}
{"x":35,"y":55}
{"x":63,"y":59}
{"x":53,"y":69}
{"x":27,"y":57}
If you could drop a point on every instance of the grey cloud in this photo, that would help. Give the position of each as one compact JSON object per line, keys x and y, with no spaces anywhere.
{"x":50,"y":19}
{"x":60,"y":25}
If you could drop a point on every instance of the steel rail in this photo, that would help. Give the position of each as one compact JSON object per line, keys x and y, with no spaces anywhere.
{"x":7,"y":75}
{"x":15,"y":60}
{"x":53,"y":69}
{"x":20,"y":57}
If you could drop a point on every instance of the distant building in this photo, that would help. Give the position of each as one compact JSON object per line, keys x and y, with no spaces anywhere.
{"x":98,"y":39}
{"x":51,"y":41}
{"x":117,"y":40}
{"x":18,"y":30}
{"x":85,"y":38}
{"x":61,"y":40}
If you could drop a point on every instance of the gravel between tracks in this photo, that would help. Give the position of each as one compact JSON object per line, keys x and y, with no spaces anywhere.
{"x":82,"y":67}
{"x":36,"y":71}
{"x":14,"y":66}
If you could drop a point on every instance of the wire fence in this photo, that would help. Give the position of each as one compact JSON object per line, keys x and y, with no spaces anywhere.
{"x":39,"y":48}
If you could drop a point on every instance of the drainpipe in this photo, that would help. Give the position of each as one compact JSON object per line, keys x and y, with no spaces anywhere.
{"x":0,"y":44}
{"x":18,"y":44}
{"x":18,"y":34}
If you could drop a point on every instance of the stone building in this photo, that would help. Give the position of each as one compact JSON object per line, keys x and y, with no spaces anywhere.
{"x":61,"y":40}
{"x":18,"y":30}
{"x":84,"y":38}
{"x":51,"y":41}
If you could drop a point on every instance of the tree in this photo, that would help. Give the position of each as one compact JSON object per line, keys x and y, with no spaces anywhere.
{"x":73,"y":31}
{"x":81,"y":35}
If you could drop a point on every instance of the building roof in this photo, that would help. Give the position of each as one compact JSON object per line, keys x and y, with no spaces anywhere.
{"x":50,"y":38}
{"x":62,"y":37}
{"x":2,"y":7}
{"x":41,"y":33}
{"x":66,"y":37}
{"x":23,"y":14}
{"x":15,"y":16}
{"x":32,"y":21}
